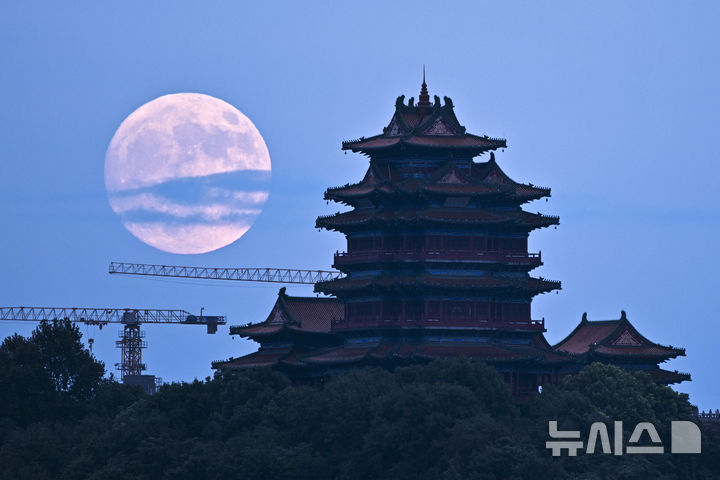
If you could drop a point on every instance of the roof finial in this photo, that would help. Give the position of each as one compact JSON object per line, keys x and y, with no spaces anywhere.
{"x":424,"y":98}
{"x":584,"y":317}
{"x":623,"y":315}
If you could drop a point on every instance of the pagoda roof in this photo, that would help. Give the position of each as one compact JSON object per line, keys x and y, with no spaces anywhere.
{"x":613,"y":338}
{"x":261,"y":358}
{"x":536,"y":351}
{"x":424,"y":349}
{"x":443,"y":215}
{"x":303,"y":314}
{"x":668,"y":377}
{"x":481,"y":180}
{"x":529,"y":285}
{"x":425,"y":125}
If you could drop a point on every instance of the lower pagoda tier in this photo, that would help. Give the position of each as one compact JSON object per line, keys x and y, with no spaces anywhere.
{"x":300,"y":338}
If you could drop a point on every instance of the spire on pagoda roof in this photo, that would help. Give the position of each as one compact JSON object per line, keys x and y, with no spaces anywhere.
{"x":425,"y":125}
{"x":424,"y":98}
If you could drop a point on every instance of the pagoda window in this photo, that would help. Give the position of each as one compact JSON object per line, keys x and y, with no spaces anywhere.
{"x":494,"y":311}
{"x":512,"y":245}
{"x":492,"y":244}
{"x":361,"y":243}
{"x":392,"y":310}
{"x":458,"y":243}
{"x":394,"y":242}
{"x":413,"y":242}
{"x":482,"y":311}
{"x":434,"y":242}
{"x":461,"y":311}
{"x":502,"y":244}
{"x":516,"y":312}
{"x":481,"y":243}
{"x":364,"y":310}
{"x":434,"y":311}
{"x":414,"y":310}
{"x":365,"y":243}
{"x":518,"y":245}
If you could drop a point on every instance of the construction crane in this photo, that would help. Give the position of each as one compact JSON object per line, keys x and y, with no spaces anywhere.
{"x":273,"y":275}
{"x":131,"y":342}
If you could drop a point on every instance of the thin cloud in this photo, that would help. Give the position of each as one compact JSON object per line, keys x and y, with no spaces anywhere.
{"x":148,"y":202}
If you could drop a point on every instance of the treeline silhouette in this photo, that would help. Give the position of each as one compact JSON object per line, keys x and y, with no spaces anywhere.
{"x":447,"y":420}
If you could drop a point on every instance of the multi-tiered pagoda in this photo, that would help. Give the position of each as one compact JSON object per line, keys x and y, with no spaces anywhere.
{"x":437,"y":263}
{"x":435,"y":239}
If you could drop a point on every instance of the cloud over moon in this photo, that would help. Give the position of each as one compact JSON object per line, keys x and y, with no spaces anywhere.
{"x":187,"y":173}
{"x":150,"y":203}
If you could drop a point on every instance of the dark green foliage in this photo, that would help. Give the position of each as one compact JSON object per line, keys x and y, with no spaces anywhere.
{"x":47,"y":375}
{"x":448,"y":420}
{"x":605,"y":393}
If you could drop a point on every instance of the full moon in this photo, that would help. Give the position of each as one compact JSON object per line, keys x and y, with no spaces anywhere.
{"x":187,"y":173}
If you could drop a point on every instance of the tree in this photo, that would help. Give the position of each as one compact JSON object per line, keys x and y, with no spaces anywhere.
{"x":46,"y":374}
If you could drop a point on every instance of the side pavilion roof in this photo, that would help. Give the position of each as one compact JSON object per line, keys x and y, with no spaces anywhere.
{"x":304,"y":314}
{"x":615,"y":338}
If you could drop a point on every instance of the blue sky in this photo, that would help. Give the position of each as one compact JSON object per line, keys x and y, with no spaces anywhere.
{"x":612,"y":104}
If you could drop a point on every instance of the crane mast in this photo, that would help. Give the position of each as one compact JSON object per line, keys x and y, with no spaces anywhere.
{"x":272,"y":275}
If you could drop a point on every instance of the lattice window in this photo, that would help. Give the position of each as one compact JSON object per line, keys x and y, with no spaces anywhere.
{"x":434,"y":310}
{"x":459,"y":310}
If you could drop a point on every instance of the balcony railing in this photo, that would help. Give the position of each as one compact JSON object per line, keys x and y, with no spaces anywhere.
{"x":399,"y":322}
{"x":434,"y":254}
{"x":709,"y":416}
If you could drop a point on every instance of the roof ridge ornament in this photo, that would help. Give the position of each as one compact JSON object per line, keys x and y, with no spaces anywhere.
{"x":424,"y":98}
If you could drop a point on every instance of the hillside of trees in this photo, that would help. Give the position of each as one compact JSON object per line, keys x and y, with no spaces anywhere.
{"x":60,"y":418}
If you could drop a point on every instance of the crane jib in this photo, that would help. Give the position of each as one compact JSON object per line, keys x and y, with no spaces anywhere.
{"x":273,"y":275}
{"x":103,"y":316}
